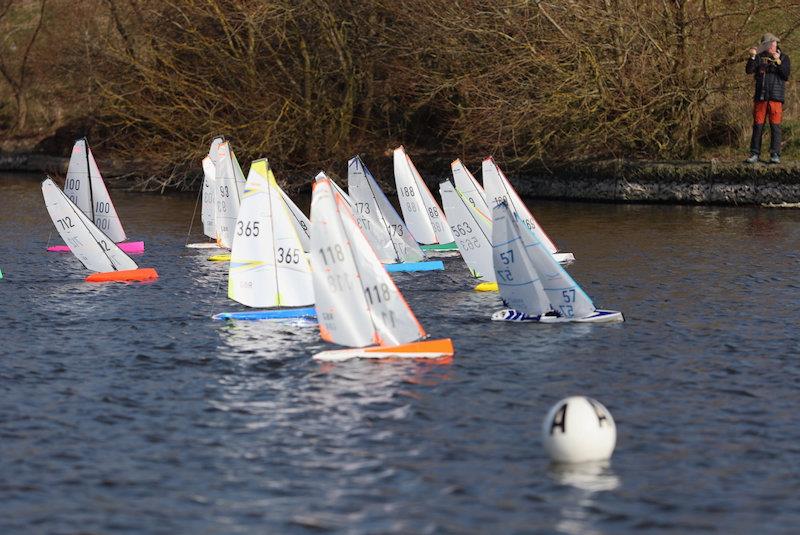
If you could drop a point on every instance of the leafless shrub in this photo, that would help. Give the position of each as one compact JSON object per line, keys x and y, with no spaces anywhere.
{"x":308,"y":83}
{"x":541,"y":81}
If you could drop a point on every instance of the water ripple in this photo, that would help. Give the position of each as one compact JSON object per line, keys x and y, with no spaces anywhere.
{"x":125,"y":408}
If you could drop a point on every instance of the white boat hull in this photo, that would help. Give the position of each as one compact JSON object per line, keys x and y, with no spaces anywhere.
{"x":599,"y":316}
{"x":564,"y":258}
{"x":203,"y":245}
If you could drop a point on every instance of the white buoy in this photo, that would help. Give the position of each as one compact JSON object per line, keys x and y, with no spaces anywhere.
{"x":579,"y":429}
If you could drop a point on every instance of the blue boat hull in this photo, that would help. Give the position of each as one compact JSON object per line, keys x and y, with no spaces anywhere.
{"x":278,"y":313}
{"x":432,"y":265}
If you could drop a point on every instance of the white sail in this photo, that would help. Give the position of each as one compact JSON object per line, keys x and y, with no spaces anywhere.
{"x":207,"y":213}
{"x":227,"y":195}
{"x":357,"y":302}
{"x":563,"y":293}
{"x":373,"y":206}
{"x":499,"y":189}
{"x":213,"y":151}
{"x":420,"y":210}
{"x":301,"y":223}
{"x":237,"y":172}
{"x":85,"y":187}
{"x":342,"y":309}
{"x":391,"y":315}
{"x":470,"y":190}
{"x":268,"y":267}
{"x":472,"y":233}
{"x":374,"y":236}
{"x":517,"y":278}
{"x":89,"y":244}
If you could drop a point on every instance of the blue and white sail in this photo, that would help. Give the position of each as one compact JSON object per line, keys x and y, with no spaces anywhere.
{"x":499,"y":189}
{"x":517,"y":279}
{"x":532,"y":282}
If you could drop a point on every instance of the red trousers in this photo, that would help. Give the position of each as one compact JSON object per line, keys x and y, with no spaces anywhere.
{"x":767,"y":108}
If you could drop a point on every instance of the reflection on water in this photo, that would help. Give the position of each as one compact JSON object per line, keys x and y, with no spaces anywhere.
{"x":589,"y":477}
{"x":272,"y":339}
{"x":579,"y":508}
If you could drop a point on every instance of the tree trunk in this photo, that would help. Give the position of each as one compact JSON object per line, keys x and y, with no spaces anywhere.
{"x":22,"y":110}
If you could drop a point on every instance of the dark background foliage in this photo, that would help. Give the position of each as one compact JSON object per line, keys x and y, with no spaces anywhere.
{"x":309,"y":83}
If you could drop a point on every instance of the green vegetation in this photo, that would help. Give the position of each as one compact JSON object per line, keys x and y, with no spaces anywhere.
{"x":308,"y":83}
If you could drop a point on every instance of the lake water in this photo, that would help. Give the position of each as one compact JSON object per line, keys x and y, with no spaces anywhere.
{"x":126,"y":409}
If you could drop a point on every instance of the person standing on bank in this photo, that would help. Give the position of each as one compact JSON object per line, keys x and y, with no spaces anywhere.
{"x":770,"y":68}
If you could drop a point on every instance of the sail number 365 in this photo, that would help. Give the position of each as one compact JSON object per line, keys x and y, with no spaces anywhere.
{"x":250,"y":228}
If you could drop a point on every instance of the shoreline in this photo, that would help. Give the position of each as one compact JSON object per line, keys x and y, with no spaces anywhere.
{"x":617,"y":181}
{"x":669,"y":182}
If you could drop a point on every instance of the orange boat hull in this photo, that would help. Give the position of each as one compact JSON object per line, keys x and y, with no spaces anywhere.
{"x":126,"y":275}
{"x":426,"y":349}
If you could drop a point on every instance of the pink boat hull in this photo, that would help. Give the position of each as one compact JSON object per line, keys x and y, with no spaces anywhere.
{"x":133,"y":247}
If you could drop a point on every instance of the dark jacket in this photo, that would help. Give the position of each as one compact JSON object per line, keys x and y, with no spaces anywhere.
{"x":770,"y":77}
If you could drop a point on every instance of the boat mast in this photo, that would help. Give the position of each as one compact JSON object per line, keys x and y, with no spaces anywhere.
{"x":272,"y":233}
{"x":89,"y":176}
